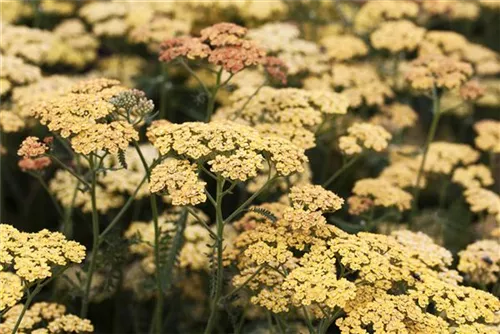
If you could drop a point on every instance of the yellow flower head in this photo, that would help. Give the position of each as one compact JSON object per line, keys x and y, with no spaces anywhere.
{"x":488,"y":138}
{"x":473,"y":176}
{"x":33,"y":254}
{"x":481,"y":199}
{"x":480,"y":261}
{"x":373,"y":13}
{"x":11,"y":289}
{"x":397,"y":36}
{"x":395,"y":117}
{"x":438,"y":71}
{"x":233,"y":150}
{"x":364,"y":136}
{"x":314,"y":198}
{"x":352,"y":47}
{"x":41,"y":314}
{"x":383,"y":193}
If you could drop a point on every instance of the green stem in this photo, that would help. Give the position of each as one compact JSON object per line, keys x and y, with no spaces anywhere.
{"x":78,"y":177}
{"x":157,"y":318}
{"x":219,"y":279}
{"x":341,"y":170}
{"x":250,"y":199}
{"x":246,"y":282}
{"x":201,"y":222}
{"x":239,"y":111}
{"x":308,"y":320}
{"x":52,"y":198}
{"x":95,"y":240}
{"x":211,"y":97}
{"x":68,"y":212}
{"x":39,"y":286}
{"x":430,"y":137}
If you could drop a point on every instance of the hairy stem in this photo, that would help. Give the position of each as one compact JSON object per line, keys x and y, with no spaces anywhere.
{"x":211,"y":97}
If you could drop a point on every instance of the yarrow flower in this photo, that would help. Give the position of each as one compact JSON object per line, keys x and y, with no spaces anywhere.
{"x":44,"y":318}
{"x":11,"y":289}
{"x":232,"y":150}
{"x":82,"y":113}
{"x":480,"y":261}
{"x":395,"y":117}
{"x":33,"y":254}
{"x":438,"y":71}
{"x":473,"y":176}
{"x":481,"y":199}
{"x":488,"y":138}
{"x":383,"y":193}
{"x":397,"y":36}
{"x":291,"y":113}
{"x":222,"y":44}
{"x":364,"y":136}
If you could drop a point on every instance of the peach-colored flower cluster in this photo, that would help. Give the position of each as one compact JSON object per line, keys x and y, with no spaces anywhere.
{"x":224,"y":45}
{"x":32,"y":151}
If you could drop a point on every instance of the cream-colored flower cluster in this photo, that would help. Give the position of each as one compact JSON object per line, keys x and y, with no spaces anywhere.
{"x":359,"y":82}
{"x":454,"y":45}
{"x":32,"y":255}
{"x":452,"y":9}
{"x":362,"y":136}
{"x":282,"y":40}
{"x":481,"y":199}
{"x":480,"y":261}
{"x":395,"y":117}
{"x":69,"y":44}
{"x":438,"y":71}
{"x":291,"y":113}
{"x":374,"y":13}
{"x":383,"y":193}
{"x":473,"y":176}
{"x":397,"y":36}
{"x":44,"y":318}
{"x":11,"y":290}
{"x":15,"y":72}
{"x":82,"y":113}
{"x":488,"y":138}
{"x":234,"y":151}
{"x":352,"y":47}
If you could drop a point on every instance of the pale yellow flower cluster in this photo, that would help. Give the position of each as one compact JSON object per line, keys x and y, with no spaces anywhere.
{"x":288,"y":267}
{"x":122,"y":67}
{"x":140,"y":22}
{"x":15,"y":72}
{"x":444,"y":157}
{"x":438,"y":71}
{"x":454,"y":45}
{"x":282,"y":185}
{"x":44,"y":318}
{"x":491,"y":97}
{"x":12,"y":11}
{"x":359,"y":82}
{"x":64,"y":186}
{"x":25,"y":98}
{"x":65,"y":46}
{"x":488,"y":138}
{"x":179,"y":179}
{"x":373,"y":13}
{"x":481,"y":199}
{"x":362,"y":136}
{"x":473,"y":176}
{"x":452,"y":9}
{"x":11,"y":289}
{"x":232,"y":150}
{"x":397,"y":36}
{"x":33,"y":254}
{"x":81,"y":46}
{"x":282,"y":40}
{"x":480,"y":261}
{"x":291,"y":113}
{"x":80,"y":112}
{"x":314,"y":198}
{"x":10,"y":122}
{"x":352,"y":47}
{"x":395,"y":117}
{"x":383,"y":193}
{"x":57,"y":7}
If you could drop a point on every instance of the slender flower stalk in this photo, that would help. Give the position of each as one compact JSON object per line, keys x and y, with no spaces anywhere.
{"x":340,"y":171}
{"x":436,"y":114}
{"x":95,"y":239}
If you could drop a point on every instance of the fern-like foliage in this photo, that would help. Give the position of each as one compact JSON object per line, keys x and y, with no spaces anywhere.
{"x":265,"y":213}
{"x":122,"y":160}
